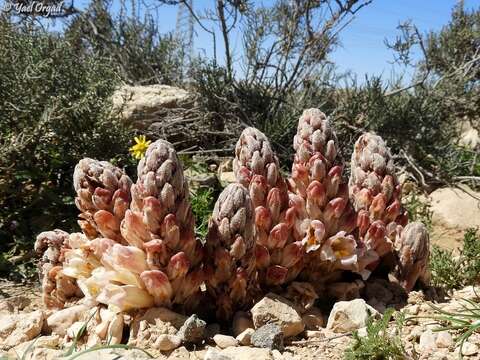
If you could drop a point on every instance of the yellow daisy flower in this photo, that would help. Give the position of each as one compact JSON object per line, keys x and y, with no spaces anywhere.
{"x":138,"y":150}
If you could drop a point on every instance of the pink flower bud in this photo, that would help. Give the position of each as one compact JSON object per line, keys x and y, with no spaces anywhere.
{"x":84,"y":200}
{"x":102,"y":199}
{"x":238,"y":248}
{"x":257,"y":164}
{"x":167,"y":197}
{"x":334,"y":209}
{"x":392,"y":211}
{"x":133,"y":229}
{"x":316,"y":192}
{"x":121,"y":202}
{"x":99,"y":246}
{"x":292,"y":253}
{"x":262,"y":256}
{"x":263,"y":219}
{"x":178,"y":266}
{"x":331,"y":151}
{"x":300,"y":173}
{"x":278,"y":236}
{"x":238,"y":287}
{"x":363,"y":221}
{"x":304,"y":151}
{"x":224,"y":230}
{"x":272,"y":174}
{"x":290,"y":217}
{"x":107,"y":224}
{"x":152,"y":213}
{"x":318,"y":168}
{"x":388,"y":185}
{"x":157,"y":254}
{"x":363,"y":199}
{"x":258,"y":189}
{"x":298,"y":203}
{"x":170,"y":231}
{"x":377,"y":230}
{"x":157,"y":285}
{"x":378,"y":206}
{"x":274,"y":203}
{"x":126,"y":257}
{"x":244,"y":176}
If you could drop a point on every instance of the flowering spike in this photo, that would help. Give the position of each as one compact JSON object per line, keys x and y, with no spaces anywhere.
{"x":412,"y":255}
{"x":256,"y":167}
{"x":231,"y":248}
{"x":103,"y":194}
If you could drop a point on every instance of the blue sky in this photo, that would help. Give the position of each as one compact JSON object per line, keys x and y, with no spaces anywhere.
{"x":362,"y":43}
{"x":362,"y":49}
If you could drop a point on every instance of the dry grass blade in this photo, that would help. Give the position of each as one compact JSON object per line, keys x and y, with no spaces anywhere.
{"x":465,"y":321}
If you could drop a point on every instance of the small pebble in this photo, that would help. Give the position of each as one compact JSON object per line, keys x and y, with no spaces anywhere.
{"x":415,"y":334}
{"x":268,"y":336}
{"x":427,"y":341}
{"x":362,"y":332}
{"x":277,"y":355}
{"x":224,"y":341}
{"x":192,"y":330}
{"x":469,"y":349}
{"x":166,"y":342}
{"x":444,"y":339}
{"x":413,"y":310}
{"x":214,"y":354}
{"x":245,"y":338}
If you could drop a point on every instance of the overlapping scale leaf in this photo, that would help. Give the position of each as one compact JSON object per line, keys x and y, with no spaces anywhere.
{"x":231,"y":277}
{"x":103,"y":196}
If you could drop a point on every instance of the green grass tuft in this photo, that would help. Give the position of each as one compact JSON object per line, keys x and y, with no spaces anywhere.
{"x":463,"y":322}
{"x":378,"y":344}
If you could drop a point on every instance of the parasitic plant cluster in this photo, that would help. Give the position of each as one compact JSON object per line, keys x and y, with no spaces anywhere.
{"x":268,"y":232}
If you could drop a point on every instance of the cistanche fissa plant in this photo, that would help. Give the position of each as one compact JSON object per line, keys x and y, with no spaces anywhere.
{"x":138,"y":247}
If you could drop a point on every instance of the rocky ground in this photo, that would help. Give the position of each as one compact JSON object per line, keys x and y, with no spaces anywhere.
{"x":274,"y":329}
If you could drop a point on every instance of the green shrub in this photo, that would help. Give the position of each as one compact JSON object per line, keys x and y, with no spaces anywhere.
{"x":453,"y":272}
{"x":418,"y":209}
{"x":54,"y":110}
{"x":203,"y":201}
{"x":139,"y":53}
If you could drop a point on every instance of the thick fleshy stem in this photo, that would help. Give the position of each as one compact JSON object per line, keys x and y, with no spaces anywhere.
{"x":231,"y":277}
